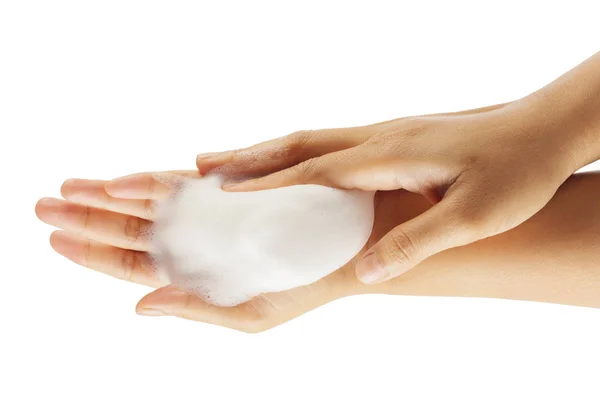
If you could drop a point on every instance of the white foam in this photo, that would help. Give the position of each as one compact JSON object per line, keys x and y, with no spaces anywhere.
{"x":230,"y":247}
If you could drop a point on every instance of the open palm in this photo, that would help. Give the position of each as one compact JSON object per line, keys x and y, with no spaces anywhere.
{"x":102,"y":226}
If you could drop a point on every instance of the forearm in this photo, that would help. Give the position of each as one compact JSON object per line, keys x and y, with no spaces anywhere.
{"x":567,"y":111}
{"x":554,"y":257}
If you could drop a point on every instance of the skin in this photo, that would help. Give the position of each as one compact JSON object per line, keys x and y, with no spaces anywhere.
{"x":552,"y":257}
{"x":485,"y":171}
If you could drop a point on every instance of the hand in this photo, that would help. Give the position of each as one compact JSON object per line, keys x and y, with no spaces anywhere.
{"x":486,"y":171}
{"x":103,"y":224}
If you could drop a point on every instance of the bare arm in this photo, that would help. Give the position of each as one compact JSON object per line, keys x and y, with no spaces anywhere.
{"x":553,"y":257}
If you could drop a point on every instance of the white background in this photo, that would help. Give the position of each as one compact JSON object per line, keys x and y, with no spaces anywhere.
{"x":98,"y":89}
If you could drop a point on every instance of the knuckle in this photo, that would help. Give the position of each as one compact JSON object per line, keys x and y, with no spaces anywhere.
{"x":148,"y":208}
{"x":87,"y":249}
{"x":297,"y":141}
{"x":85,"y":218}
{"x":306,"y":169}
{"x":129,"y":263}
{"x":239,"y":157}
{"x":133,"y":229}
{"x":403,"y":247}
{"x":309,"y":167}
{"x":301,"y":137}
{"x":152,"y":182}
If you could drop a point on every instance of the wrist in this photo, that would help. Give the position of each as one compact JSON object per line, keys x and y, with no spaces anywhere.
{"x":566,"y":132}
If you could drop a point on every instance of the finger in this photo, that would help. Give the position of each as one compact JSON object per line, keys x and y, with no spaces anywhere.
{"x":147,"y":185}
{"x":333,"y":169}
{"x":365,"y":167}
{"x":125,"y":231}
{"x":91,"y":193}
{"x":129,"y":265}
{"x":173,"y":301}
{"x":261,"y":313}
{"x":405,"y":246}
{"x":283,"y":152}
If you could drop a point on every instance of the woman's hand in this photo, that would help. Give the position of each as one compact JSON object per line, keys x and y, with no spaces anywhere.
{"x":486,"y":170}
{"x":103,"y":225}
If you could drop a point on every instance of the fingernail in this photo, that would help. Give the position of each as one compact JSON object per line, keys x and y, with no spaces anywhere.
{"x":219,"y":157}
{"x":151,"y":312}
{"x":206,"y":155}
{"x":369,"y":269}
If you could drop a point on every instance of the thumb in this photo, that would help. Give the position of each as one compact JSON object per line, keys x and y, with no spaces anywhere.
{"x":405,"y":246}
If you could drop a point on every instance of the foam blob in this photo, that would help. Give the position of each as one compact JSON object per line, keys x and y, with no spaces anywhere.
{"x":230,"y":247}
